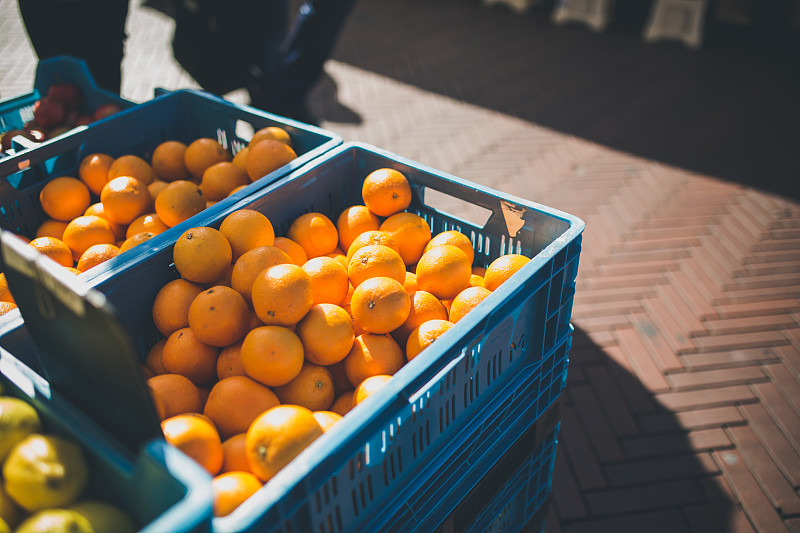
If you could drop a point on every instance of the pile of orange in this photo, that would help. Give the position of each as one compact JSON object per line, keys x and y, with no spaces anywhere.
{"x":270,"y":340}
{"x":114,"y":204}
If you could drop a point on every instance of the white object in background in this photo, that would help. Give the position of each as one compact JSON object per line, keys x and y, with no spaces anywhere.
{"x":681,"y":20}
{"x":520,"y":6}
{"x":594,"y":13}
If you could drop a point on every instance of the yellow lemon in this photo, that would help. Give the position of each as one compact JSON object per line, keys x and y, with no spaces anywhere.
{"x":44,"y":471}
{"x":18,"y":419}
{"x":55,"y":521}
{"x":104,"y":517}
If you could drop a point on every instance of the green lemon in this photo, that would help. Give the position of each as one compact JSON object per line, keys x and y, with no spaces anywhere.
{"x":55,"y":521}
{"x":18,"y":419}
{"x":104,"y":517}
{"x":44,"y":471}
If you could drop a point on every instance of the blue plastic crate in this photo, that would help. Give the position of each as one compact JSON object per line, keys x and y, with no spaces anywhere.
{"x":161,"y":489}
{"x":180,"y":115}
{"x":505,"y":361}
{"x":17,"y":111}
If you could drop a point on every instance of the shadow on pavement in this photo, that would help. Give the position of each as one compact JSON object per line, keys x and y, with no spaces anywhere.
{"x":729,"y":110}
{"x":624,"y":461}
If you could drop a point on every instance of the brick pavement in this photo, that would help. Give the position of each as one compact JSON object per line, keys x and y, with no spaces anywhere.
{"x":683,"y":400}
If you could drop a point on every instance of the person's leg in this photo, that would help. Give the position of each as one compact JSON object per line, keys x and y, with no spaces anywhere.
{"x":302,"y":55}
{"x":311,"y":41}
{"x":92,"y":30}
{"x":269,"y":28}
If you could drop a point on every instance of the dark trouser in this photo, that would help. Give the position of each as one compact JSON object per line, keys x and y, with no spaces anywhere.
{"x":92,"y":30}
{"x":293,"y":62}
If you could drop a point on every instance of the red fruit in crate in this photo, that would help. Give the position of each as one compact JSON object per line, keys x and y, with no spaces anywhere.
{"x":83,"y":120}
{"x":48,"y":112}
{"x":106,"y":110}
{"x":55,"y":132}
{"x":68,"y":94}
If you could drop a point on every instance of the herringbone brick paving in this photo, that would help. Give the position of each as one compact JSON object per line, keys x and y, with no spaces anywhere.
{"x":683,"y":400}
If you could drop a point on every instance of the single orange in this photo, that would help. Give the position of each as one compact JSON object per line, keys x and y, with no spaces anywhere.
{"x":85,"y":231}
{"x":240,"y":158}
{"x":372,"y":355}
{"x":315,"y":233}
{"x":185,"y":354}
{"x":221,"y":178}
{"x":380,"y":305}
{"x":329,"y":281}
{"x":93,"y":171}
{"x":168,"y":161}
{"x":153,"y":358}
{"x":64,"y":198}
{"x":277,"y":436}
{"x":424,"y":335}
{"x":326,"y":333}
{"x":424,"y":306}
{"x":466,"y":301}
{"x":372,"y":237}
{"x":312,"y":388}
{"x":179,"y":201}
{"x":171,"y":305}
{"x":267,"y":156}
{"x":476,"y":281}
{"x":202,"y":153}
{"x":295,"y":251}
{"x":51,"y":228}
{"x":354,"y":221}
{"x":5,"y":292}
{"x":246,"y":229}
{"x":124,"y":199}
{"x":155,"y":189}
{"x":411,"y":232}
{"x":174,"y":394}
{"x":149,"y":222}
{"x":343,"y":403}
{"x":236,"y":401}
{"x":202,"y":254}
{"x":231,"y":489}
{"x":135,"y":240}
{"x":282,"y":294}
{"x":251,"y":263}
{"x":99,"y":210}
{"x":375,"y":260}
{"x":271,"y":132}
{"x":410,"y":283}
{"x":443,"y":271}
{"x":53,"y":248}
{"x":132,"y":166}
{"x":219,"y":316}
{"x":386,"y":191}
{"x":95,"y":255}
{"x":369,"y":386}
{"x":229,"y":361}
{"x":272,"y":355}
{"x":327,"y":419}
{"x":197,"y":437}
{"x":234,"y":457}
{"x":455,"y":238}
{"x":503,"y":268}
